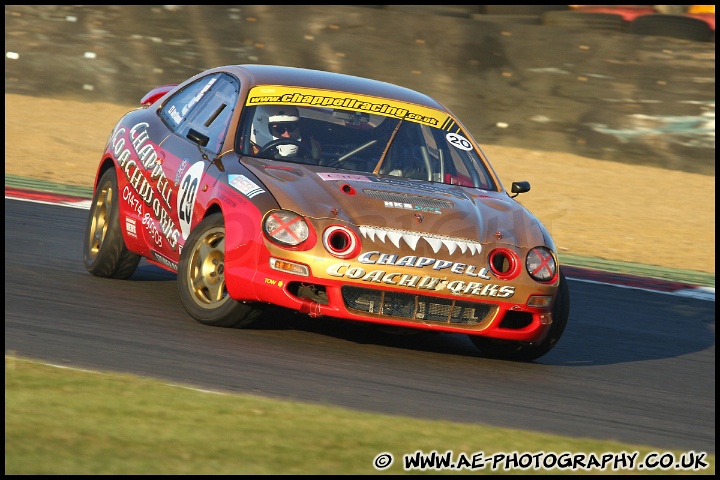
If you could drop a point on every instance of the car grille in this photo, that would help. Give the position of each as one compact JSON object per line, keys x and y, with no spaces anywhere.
{"x":406,"y":198}
{"x":419,"y":308}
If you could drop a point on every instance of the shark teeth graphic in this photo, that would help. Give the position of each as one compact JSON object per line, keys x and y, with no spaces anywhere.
{"x":412,"y":239}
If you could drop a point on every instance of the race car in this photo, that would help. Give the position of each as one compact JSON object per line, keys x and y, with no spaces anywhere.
{"x":329,"y":195}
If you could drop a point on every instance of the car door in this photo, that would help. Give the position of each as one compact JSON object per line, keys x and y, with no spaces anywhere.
{"x":198,"y":117}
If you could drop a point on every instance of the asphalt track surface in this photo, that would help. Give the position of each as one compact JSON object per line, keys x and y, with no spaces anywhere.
{"x":634,"y":365}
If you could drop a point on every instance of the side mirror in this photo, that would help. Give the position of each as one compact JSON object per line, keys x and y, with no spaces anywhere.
{"x":199,"y":138}
{"x":519,"y":187}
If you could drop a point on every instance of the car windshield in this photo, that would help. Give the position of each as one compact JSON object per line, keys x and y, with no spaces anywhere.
{"x":363,"y":142}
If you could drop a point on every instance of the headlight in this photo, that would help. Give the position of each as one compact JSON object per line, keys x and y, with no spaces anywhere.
{"x":286,"y":227}
{"x":540,"y":264}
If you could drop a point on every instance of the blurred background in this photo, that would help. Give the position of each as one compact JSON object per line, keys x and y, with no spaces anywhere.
{"x":630,"y":83}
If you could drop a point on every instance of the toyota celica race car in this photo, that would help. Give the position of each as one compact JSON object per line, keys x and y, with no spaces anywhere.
{"x":326,"y":194}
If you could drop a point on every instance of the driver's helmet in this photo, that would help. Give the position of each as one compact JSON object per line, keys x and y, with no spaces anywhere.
{"x":271,"y":122}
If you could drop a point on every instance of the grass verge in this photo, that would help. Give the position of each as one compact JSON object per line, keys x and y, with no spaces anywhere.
{"x":70,"y":421}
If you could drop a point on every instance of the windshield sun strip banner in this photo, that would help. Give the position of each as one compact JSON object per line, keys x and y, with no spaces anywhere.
{"x":273,"y":95}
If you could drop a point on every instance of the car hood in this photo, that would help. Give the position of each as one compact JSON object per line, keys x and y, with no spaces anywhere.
{"x":411,"y":209}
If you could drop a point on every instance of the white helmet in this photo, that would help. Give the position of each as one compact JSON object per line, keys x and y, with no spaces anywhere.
{"x":267,"y":119}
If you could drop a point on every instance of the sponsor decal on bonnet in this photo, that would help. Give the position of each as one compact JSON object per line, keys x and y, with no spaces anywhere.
{"x":425,"y":282}
{"x":436,"y":242}
{"x":327,"y":176}
{"x":244,"y":185}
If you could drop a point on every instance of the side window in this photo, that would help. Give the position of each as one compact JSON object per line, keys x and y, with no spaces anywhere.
{"x":454,"y":161}
{"x":246,"y":121}
{"x":205,"y":106}
{"x":466,"y":169}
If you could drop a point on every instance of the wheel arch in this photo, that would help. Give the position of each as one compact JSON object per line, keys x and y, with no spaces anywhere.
{"x":213,"y":208}
{"x":201,"y":279}
{"x":106,"y":164}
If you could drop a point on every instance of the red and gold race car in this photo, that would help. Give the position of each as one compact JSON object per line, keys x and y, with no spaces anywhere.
{"x":326,"y":194}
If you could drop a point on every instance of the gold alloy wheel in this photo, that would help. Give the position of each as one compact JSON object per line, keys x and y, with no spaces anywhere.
{"x":99,"y":226}
{"x":206,"y":274}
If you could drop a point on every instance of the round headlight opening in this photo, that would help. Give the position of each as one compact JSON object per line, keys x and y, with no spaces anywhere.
{"x":540,"y":264}
{"x":286,"y":227}
{"x":504,"y":263}
{"x":340,"y":241}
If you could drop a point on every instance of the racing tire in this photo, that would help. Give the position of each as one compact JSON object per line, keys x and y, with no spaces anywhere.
{"x":584,"y":20}
{"x":104,"y":251}
{"x":201,"y":279}
{"x":677,"y":26}
{"x":518,"y":351}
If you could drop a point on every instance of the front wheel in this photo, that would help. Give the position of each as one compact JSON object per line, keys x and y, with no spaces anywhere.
{"x":510,"y":350}
{"x":201,"y":278}
{"x":104,"y":251}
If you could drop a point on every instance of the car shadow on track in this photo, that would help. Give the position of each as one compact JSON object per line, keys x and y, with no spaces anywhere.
{"x":608,"y":325}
